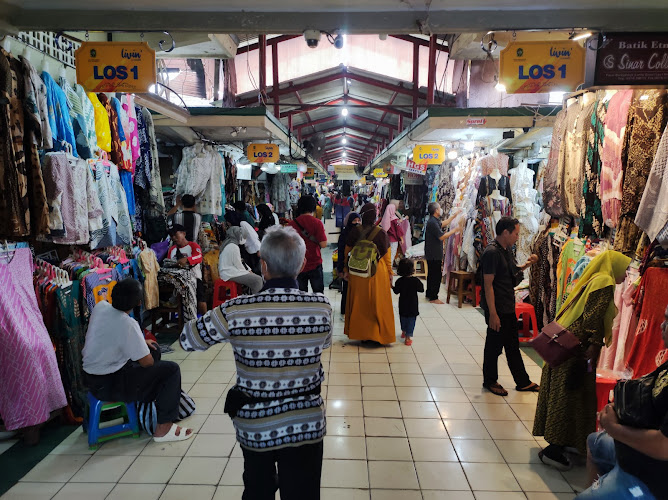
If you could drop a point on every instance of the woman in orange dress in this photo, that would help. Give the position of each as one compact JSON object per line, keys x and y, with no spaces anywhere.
{"x":369,"y":313}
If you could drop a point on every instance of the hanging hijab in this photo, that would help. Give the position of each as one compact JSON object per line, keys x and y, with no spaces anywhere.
{"x":390,"y":215}
{"x":603,"y":271}
{"x":234,"y":236}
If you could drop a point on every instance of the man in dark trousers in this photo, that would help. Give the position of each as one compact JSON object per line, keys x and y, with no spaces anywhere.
{"x":500,"y":276}
{"x":433,"y":249}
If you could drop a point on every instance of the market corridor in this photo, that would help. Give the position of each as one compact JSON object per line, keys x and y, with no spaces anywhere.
{"x":403,"y":423}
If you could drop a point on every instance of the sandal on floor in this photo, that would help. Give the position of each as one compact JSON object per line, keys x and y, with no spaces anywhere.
{"x":496,"y":389}
{"x":171,"y":435}
{"x":530,"y":388}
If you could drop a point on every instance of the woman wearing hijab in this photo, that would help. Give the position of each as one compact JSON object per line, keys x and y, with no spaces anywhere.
{"x":327,"y":207}
{"x":230,"y":265}
{"x":390,"y":224}
{"x":351,"y":221}
{"x":266,"y":219}
{"x":369,"y":313}
{"x":566,"y":410}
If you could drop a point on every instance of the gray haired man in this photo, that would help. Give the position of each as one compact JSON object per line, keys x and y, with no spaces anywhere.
{"x":278,"y":336}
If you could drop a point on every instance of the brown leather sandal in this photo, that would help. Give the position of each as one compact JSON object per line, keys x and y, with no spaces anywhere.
{"x":496,"y":389}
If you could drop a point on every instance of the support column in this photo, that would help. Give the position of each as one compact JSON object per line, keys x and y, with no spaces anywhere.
{"x":262,"y":63}
{"x":274,"y":71}
{"x":401,"y":124}
{"x":416,"y":78}
{"x":432,"y":70}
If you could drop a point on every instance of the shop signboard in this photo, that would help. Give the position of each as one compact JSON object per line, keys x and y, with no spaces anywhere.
{"x":379,"y":173}
{"x":288,"y":168}
{"x":430,"y":154}
{"x":344,"y":169}
{"x":413,"y":179}
{"x":262,"y":153}
{"x":549,"y":66}
{"x":476,"y":122}
{"x":115,"y":66}
{"x":414,"y":168}
{"x":310,"y":173}
{"x":632,"y":59}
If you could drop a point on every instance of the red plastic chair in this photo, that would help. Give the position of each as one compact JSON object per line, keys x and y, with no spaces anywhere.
{"x":603,"y":388}
{"x":526,"y":312}
{"x":224,"y":291}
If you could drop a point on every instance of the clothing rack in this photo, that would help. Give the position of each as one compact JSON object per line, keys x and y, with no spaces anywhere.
{"x":48,"y":272}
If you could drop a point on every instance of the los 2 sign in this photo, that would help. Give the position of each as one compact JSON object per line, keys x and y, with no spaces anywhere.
{"x":430,"y":154}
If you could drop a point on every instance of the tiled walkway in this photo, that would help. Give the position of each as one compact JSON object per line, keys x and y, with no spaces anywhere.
{"x":403,"y":423}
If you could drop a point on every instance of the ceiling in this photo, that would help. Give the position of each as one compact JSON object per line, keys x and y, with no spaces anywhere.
{"x":359,"y":16}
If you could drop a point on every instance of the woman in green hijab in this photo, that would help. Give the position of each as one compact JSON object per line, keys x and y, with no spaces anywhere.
{"x":566,"y":410}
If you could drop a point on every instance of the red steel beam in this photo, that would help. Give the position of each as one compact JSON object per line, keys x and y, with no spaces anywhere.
{"x":303,"y":108}
{"x":294,"y":88}
{"x":416,"y":78}
{"x":431,"y":82}
{"x":262,"y":63}
{"x":352,"y":136}
{"x":349,"y":127}
{"x":356,"y":149}
{"x":271,"y":41}
{"x":381,"y":84}
{"x":317,"y":122}
{"x":351,"y":142}
{"x":274,"y":70}
{"x":380,"y":107}
{"x":419,"y":41}
{"x":308,"y":117}
{"x":372,"y":122}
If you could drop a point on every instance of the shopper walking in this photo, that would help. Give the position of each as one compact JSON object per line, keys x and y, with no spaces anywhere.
{"x":566,"y":410}
{"x":407,"y":287}
{"x":500,"y":276}
{"x":390,"y":224}
{"x":276,"y":405}
{"x":369,"y":313}
{"x":433,"y":248}
{"x":315,"y":238}
{"x":351,"y":221}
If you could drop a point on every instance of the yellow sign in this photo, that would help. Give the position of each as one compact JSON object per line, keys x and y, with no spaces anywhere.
{"x":344,"y":169}
{"x":532,"y":67}
{"x":115,"y":66}
{"x":310,"y":173}
{"x":262,"y":153}
{"x":379,"y":173}
{"x":429,"y":154}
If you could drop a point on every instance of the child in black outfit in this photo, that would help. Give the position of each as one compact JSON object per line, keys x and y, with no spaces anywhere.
{"x":407,"y":287}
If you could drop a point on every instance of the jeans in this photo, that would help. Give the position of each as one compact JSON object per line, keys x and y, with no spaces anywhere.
{"x":434,"y":277}
{"x":614,"y":483}
{"x":407,"y":324}
{"x":298,"y":477}
{"x":160,"y":383}
{"x":506,"y":338}
{"x":315,"y":277}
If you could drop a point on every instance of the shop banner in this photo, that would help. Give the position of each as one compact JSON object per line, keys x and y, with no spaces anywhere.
{"x":414,"y":168}
{"x":379,"y":173}
{"x":632,"y":59}
{"x":288,"y":168}
{"x":534,"y":67}
{"x":115,"y":66}
{"x":263,"y":153}
{"x":310,"y":173}
{"x":431,"y":154}
{"x":412,"y":179}
{"x":344,"y":169}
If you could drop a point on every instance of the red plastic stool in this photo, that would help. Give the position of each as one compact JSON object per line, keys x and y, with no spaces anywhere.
{"x":526,"y":312}
{"x":603,"y":388}
{"x":224,"y":291}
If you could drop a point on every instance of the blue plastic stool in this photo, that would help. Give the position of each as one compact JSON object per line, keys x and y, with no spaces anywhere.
{"x":97,"y":435}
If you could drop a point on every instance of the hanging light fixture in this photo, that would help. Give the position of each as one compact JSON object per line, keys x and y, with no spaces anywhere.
{"x":344,"y":140}
{"x":452,"y":154}
{"x":344,"y":112}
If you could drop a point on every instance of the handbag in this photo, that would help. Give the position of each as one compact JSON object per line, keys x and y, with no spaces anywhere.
{"x":556,"y":344}
{"x":634,"y":401}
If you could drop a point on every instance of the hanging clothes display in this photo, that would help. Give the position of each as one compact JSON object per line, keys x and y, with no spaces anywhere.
{"x":280,"y":193}
{"x":552,"y":193}
{"x":78,"y":121}
{"x":88,"y":111}
{"x":184,"y":282}
{"x":488,"y":184}
{"x":59,"y":116}
{"x":652,"y":214}
{"x":647,"y":121}
{"x":116,"y":225}
{"x":102,"y":129}
{"x":36,"y":103}
{"x":155,"y":189}
{"x":612,"y":169}
{"x":591,"y":222}
{"x":31,"y":382}
{"x":524,"y":208}
{"x":446,"y":188}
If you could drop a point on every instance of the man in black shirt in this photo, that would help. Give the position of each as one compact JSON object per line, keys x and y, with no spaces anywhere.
{"x":185,"y":214}
{"x":500,"y":275}
{"x":433,"y":249}
{"x":632,"y":462}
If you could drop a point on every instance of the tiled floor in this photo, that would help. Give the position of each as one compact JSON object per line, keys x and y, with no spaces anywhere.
{"x":403,"y":423}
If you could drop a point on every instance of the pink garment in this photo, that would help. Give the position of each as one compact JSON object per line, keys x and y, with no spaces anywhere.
{"x":405,"y":226}
{"x":29,"y":376}
{"x":132,"y":134}
{"x":389,"y":215}
{"x":491,"y":162}
{"x":612,"y":164}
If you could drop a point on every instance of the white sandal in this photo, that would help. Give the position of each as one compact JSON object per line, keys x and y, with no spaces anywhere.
{"x":171,"y":435}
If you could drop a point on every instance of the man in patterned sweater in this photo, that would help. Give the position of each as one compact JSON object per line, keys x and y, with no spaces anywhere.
{"x":278,"y":336}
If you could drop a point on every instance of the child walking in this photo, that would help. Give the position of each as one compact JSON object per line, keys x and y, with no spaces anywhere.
{"x":407,"y":287}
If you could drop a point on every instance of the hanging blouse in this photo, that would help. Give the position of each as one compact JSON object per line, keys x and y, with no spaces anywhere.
{"x":647,"y":121}
{"x":116,"y":228}
{"x":102,"y":129}
{"x":488,"y":184}
{"x":155,"y":191}
{"x":131,"y":134}
{"x":591,"y":222}
{"x":116,"y":153}
{"x":145,"y":160}
{"x":653,"y":209}
{"x":35,"y":98}
{"x":59,"y":115}
{"x":78,"y":121}
{"x":88,"y":113}
{"x":612,"y":170}
{"x":123,"y":123}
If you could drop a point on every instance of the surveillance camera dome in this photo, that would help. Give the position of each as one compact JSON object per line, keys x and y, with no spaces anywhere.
{"x":312,"y":38}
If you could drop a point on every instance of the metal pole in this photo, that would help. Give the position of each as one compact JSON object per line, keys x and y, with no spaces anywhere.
{"x":432,"y":70}
{"x":262,"y":63}
{"x":274,"y":70}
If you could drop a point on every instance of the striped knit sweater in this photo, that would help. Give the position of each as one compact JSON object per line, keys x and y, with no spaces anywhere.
{"x":278,"y":337}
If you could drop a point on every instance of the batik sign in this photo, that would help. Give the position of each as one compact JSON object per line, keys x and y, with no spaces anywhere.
{"x":534,"y":67}
{"x":115,"y":66}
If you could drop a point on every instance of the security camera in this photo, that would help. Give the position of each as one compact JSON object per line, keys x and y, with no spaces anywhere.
{"x":338,"y":41}
{"x":312,"y":38}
